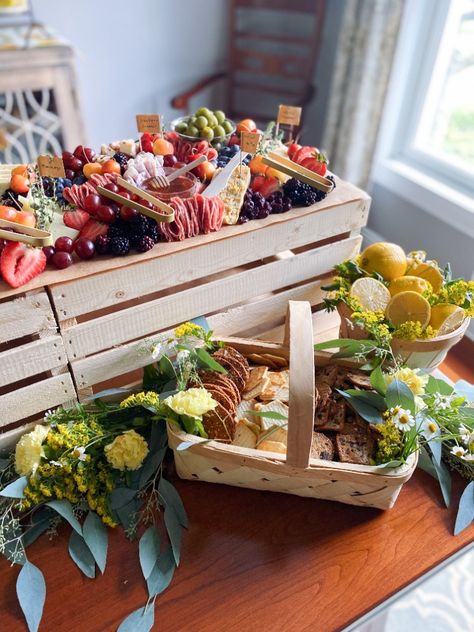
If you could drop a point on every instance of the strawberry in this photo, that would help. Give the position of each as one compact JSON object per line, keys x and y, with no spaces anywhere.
{"x":269,"y":186}
{"x":317,"y":164}
{"x":20,"y":263}
{"x":257,"y":183}
{"x":147,"y":145}
{"x":304,"y":152}
{"x":93,"y":229}
{"x":76,"y":219}
{"x":292,"y":149}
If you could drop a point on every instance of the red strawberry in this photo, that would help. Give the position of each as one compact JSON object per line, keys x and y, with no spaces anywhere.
{"x":269,"y":186}
{"x":76,"y":219}
{"x":93,"y":229}
{"x":292,"y":149}
{"x":304,"y":152}
{"x":20,"y":263}
{"x":147,"y":145}
{"x":257,"y":183}
{"x":315,"y":164}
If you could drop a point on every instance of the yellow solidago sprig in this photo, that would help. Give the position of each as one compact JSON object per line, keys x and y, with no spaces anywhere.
{"x":146,"y":399}
{"x":457,"y":292}
{"x":414,"y":330}
{"x":374,"y":323}
{"x":390,"y":442}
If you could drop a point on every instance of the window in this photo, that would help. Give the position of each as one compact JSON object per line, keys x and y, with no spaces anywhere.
{"x":426,"y":148}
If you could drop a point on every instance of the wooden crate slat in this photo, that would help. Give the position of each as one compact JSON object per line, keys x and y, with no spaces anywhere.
{"x":32,"y":358}
{"x":26,"y":315}
{"x":33,"y":399}
{"x":114,"y":329}
{"x":121,"y":360}
{"x":114,"y":287}
{"x":325,"y":327}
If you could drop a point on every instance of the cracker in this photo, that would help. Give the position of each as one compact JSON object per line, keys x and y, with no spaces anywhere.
{"x":272,"y":407}
{"x":359,"y":379}
{"x":275,"y":433}
{"x":322,"y":447}
{"x":219,"y":424}
{"x":214,"y":377}
{"x":255,"y":428}
{"x":278,"y":388}
{"x":237,"y":371}
{"x":257,"y":391}
{"x":257,"y":375}
{"x":321,"y":416}
{"x":244,"y":437}
{"x":272,"y":446}
{"x":335,"y":418}
{"x":220,"y":396}
{"x":355,"y":448}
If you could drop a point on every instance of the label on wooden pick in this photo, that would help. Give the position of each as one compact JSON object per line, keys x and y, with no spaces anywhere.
{"x":51,"y":167}
{"x":3,"y":140}
{"x":249,"y":142}
{"x":289,"y":114}
{"x":150,"y":123}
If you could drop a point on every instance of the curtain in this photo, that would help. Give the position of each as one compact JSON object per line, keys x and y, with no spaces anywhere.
{"x":365,"y":52}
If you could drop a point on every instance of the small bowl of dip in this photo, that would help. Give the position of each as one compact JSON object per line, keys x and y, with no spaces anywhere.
{"x":185,"y":186}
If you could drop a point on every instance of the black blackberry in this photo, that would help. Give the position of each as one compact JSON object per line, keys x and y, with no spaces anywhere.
{"x":153,"y":231}
{"x":122,"y":159}
{"x":139,"y":224}
{"x":134,"y":237}
{"x":145,"y":244}
{"x":333,"y":180}
{"x":119,"y":246}
{"x":102,"y":244}
{"x":302,"y":194}
{"x":117,"y":229}
{"x":10,"y":198}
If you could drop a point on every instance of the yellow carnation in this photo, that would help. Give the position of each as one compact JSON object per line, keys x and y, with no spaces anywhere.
{"x":29,"y":450}
{"x":127,"y":451}
{"x":411,"y":377}
{"x":194,"y":402}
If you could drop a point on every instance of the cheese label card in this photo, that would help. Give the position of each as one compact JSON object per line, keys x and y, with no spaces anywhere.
{"x":3,"y":140}
{"x":51,"y":167}
{"x":249,"y":142}
{"x":289,"y":115}
{"x":150,"y":123}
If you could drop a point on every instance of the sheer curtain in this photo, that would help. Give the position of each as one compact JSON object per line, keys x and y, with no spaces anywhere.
{"x":364,"y":58}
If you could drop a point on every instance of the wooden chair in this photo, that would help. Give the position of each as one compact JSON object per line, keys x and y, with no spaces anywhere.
{"x":273,"y":48}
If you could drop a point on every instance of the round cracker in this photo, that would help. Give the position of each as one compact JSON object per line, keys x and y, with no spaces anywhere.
{"x":220,"y":396}
{"x":219,"y":424}
{"x":213,"y":377}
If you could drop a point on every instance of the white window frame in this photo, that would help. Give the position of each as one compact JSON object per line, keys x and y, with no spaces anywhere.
{"x":414,"y":175}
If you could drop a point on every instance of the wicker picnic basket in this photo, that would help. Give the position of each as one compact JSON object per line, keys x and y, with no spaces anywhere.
{"x":416,"y":354}
{"x":297,"y":473}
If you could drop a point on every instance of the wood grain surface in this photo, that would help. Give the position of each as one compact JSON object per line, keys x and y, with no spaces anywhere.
{"x":253,"y":561}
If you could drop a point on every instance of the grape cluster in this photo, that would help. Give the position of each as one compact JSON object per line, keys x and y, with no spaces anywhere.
{"x":279,"y":202}
{"x":54,"y":188}
{"x":255,"y":206}
{"x":226,"y":153}
{"x":302,"y":194}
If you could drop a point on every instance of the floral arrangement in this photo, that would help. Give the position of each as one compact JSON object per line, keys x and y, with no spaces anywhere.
{"x":389,"y":295}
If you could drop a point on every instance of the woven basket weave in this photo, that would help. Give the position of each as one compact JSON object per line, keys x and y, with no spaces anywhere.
{"x":297,"y":473}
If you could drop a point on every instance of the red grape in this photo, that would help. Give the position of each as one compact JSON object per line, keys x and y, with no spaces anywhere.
{"x":105,"y":214}
{"x":62,"y":260}
{"x":74,"y":163}
{"x":146,"y":203}
{"x":86,"y":154}
{"x":64,"y":244}
{"x":92,"y":203}
{"x":111,"y":186}
{"x":70,"y":174}
{"x":179,"y":164}
{"x":169,"y":160}
{"x":127,"y":213}
{"x":126,"y":195}
{"x":84,"y":248}
{"x":49,"y":252}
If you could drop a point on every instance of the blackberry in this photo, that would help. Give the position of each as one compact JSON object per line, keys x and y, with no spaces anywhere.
{"x":302,"y":194}
{"x":153,"y":231}
{"x":10,"y":198}
{"x":333,"y":180}
{"x":117,"y":229}
{"x":119,"y":246}
{"x":145,"y":244}
{"x":122,"y":159}
{"x":139,"y":224}
{"x":102,"y":244}
{"x":134,"y":237}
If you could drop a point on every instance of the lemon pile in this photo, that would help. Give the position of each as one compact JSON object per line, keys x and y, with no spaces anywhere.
{"x":409,"y":278}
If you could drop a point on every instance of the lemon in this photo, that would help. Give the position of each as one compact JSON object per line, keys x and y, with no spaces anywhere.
{"x":446,"y":317}
{"x":427,"y":270}
{"x":387,"y":259}
{"x":419,"y":255}
{"x":408,"y":306}
{"x":371,"y":294}
{"x":408,"y":284}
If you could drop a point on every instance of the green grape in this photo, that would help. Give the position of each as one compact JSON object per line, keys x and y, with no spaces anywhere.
{"x":192,"y":130}
{"x":211,"y":119}
{"x":219,"y":131}
{"x":227,"y":125}
{"x":203,"y":112}
{"x":201,"y":122}
{"x":220,"y":116}
{"x":181,"y":127}
{"x":207,"y":133}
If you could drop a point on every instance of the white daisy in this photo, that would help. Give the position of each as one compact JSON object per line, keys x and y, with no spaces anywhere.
{"x":467,"y":435}
{"x":442,"y":401}
{"x":402,"y":418}
{"x":468,"y":457}
{"x":430,"y":428}
{"x":56,"y":463}
{"x":48,"y":413}
{"x":80,"y":453}
{"x":458,"y":451}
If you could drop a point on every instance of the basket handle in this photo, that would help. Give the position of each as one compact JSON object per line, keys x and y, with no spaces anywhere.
{"x":299,"y":337}
{"x":25,"y":234}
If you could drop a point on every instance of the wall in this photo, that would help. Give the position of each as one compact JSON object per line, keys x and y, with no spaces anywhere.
{"x":133,"y":57}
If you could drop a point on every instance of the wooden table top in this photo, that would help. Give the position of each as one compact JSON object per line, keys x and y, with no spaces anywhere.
{"x":254,"y":560}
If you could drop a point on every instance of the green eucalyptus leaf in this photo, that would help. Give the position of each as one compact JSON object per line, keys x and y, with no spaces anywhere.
{"x":365,"y":410}
{"x":31,"y":593}
{"x":425,"y":462}
{"x":81,"y":554}
{"x":151,"y":464}
{"x":162,"y":573}
{"x":343,"y":342}
{"x":465,"y":513}
{"x":444,"y":479}
{"x":395,"y":463}
{"x":208,"y":360}
{"x":377,"y":381}
{"x":174,"y":530}
{"x":15,"y":489}
{"x":467,"y":412}
{"x":167,"y":368}
{"x":121,"y":496}
{"x":369,"y":397}
{"x":398,"y":394}
{"x":149,"y":549}
{"x":185,"y":445}
{"x":64,"y":509}
{"x":268,"y":414}
{"x":172,"y":499}
{"x":151,"y":377}
{"x":95,"y":535}
{"x":141,"y":620}
{"x":109,"y":393}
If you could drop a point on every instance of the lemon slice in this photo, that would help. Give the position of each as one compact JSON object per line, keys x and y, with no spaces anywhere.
{"x":446,"y":318}
{"x":407,"y":306}
{"x":427,"y":270}
{"x":409,"y":284}
{"x":371,"y":294}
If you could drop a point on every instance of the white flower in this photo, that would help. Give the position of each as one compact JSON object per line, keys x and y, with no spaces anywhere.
{"x":48,"y":413}
{"x":182,"y":356}
{"x":442,"y":401}
{"x":468,"y":457}
{"x":467,"y":435}
{"x":402,"y":418}
{"x":80,"y":453}
{"x":430,"y":428}
{"x":419,"y":403}
{"x":56,"y":463}
{"x":458,"y":451}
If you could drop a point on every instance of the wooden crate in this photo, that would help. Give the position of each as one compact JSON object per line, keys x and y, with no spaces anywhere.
{"x":33,"y":362}
{"x":241,"y":278}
